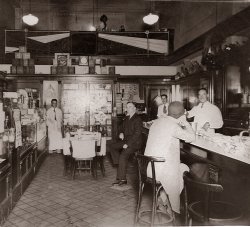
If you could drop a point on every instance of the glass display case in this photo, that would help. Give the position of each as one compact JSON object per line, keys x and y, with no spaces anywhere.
{"x":91,"y":109}
{"x":41,"y":131}
{"x":28,"y":135}
{"x":236,"y":98}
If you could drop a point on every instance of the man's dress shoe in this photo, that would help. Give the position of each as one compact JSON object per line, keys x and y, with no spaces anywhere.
{"x":117,"y":182}
{"x":122,"y":182}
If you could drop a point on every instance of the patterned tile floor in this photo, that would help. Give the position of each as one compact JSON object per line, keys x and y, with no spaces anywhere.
{"x":55,"y":200}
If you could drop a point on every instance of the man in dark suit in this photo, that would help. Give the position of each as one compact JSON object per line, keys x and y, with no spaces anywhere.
{"x":130,"y":141}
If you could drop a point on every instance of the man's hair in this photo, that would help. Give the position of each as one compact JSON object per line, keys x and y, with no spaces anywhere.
{"x":164,"y":95}
{"x":134,"y":103}
{"x":203,"y":89}
{"x":53,"y":100}
{"x":175,"y":109}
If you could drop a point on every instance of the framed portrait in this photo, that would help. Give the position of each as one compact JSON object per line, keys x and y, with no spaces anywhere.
{"x":62,"y":59}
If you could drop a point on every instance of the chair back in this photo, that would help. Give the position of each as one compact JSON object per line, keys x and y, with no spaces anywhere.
{"x":143,"y":162}
{"x":83,"y":149}
{"x":191,"y":184}
{"x":189,"y":180}
{"x":66,"y":146}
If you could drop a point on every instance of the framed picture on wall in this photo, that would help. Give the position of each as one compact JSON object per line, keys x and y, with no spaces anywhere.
{"x":62,"y":59}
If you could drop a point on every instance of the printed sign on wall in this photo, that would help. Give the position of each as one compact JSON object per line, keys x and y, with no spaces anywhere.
{"x":50,"y":91}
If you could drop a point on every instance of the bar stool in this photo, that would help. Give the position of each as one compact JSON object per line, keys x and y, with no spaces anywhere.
{"x":141,"y":215}
{"x":207,"y":211}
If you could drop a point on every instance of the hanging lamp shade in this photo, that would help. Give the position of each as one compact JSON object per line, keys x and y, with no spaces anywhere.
{"x":30,"y":19}
{"x":151,"y":19}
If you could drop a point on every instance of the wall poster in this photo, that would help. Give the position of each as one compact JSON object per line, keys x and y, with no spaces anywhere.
{"x":50,"y":91}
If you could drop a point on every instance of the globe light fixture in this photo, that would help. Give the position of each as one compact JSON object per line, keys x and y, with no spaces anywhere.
{"x":150,"y":19}
{"x":30,"y":19}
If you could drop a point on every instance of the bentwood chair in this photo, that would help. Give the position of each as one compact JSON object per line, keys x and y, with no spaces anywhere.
{"x":83,"y":154}
{"x":153,"y":213}
{"x":207,"y":211}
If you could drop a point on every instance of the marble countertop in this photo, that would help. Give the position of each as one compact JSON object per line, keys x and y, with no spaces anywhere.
{"x":242,"y":155}
{"x":238,"y":152}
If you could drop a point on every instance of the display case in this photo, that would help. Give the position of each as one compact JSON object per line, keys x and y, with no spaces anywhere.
{"x":92,"y":109}
{"x":28,"y":135}
{"x":236,"y":99}
{"x":41,"y":131}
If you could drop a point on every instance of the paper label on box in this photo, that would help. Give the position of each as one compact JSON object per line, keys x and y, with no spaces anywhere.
{"x":18,"y":140}
{"x":10,"y":95}
{"x":31,"y":111}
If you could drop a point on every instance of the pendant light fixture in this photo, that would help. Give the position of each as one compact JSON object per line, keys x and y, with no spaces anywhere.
{"x":30,"y":19}
{"x":151,"y":18}
{"x":92,"y":27}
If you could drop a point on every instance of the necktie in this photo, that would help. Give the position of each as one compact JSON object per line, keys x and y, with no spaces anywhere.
{"x":55,"y":113}
{"x":164,"y":109}
{"x":202,"y":105}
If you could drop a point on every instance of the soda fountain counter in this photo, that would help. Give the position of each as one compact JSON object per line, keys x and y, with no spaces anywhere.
{"x":231,"y":154}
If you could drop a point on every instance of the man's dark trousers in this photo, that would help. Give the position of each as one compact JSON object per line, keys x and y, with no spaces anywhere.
{"x":120,"y":156}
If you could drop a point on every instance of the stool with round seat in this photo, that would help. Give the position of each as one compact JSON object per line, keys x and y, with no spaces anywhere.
{"x":207,"y":211}
{"x":149,"y":216}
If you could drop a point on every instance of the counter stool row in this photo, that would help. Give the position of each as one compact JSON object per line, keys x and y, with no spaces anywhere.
{"x":205,"y":211}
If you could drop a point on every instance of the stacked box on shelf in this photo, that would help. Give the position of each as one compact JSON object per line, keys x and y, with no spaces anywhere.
{"x":62,"y":64}
{"x":22,"y":64}
{"x":62,"y":70}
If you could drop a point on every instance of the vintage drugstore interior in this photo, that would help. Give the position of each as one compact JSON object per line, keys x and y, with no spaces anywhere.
{"x":124,"y":113}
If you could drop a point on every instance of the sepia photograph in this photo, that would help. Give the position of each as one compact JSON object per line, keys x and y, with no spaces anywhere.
{"x":124,"y":113}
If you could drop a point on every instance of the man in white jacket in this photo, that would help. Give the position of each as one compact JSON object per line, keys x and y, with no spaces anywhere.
{"x":207,"y":116}
{"x":164,"y":141}
{"x":54,"y":122}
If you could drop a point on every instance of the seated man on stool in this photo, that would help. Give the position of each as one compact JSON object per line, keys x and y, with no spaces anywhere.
{"x":130,"y":141}
{"x":164,"y":141}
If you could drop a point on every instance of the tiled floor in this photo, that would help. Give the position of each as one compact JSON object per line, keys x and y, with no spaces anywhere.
{"x":55,"y":200}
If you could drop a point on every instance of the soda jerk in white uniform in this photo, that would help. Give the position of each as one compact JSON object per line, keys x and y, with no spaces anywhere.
{"x":207,"y":116}
{"x":54,"y":123}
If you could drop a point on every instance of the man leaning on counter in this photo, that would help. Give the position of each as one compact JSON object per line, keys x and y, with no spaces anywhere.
{"x":207,"y":116}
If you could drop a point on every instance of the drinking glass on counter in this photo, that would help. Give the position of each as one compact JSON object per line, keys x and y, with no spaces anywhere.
{"x":194,"y":126}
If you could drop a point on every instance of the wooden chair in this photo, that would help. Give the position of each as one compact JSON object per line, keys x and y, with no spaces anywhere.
{"x":67,"y":156}
{"x":100,"y":155}
{"x":83,"y":154}
{"x":141,"y":215}
{"x":207,"y":211}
